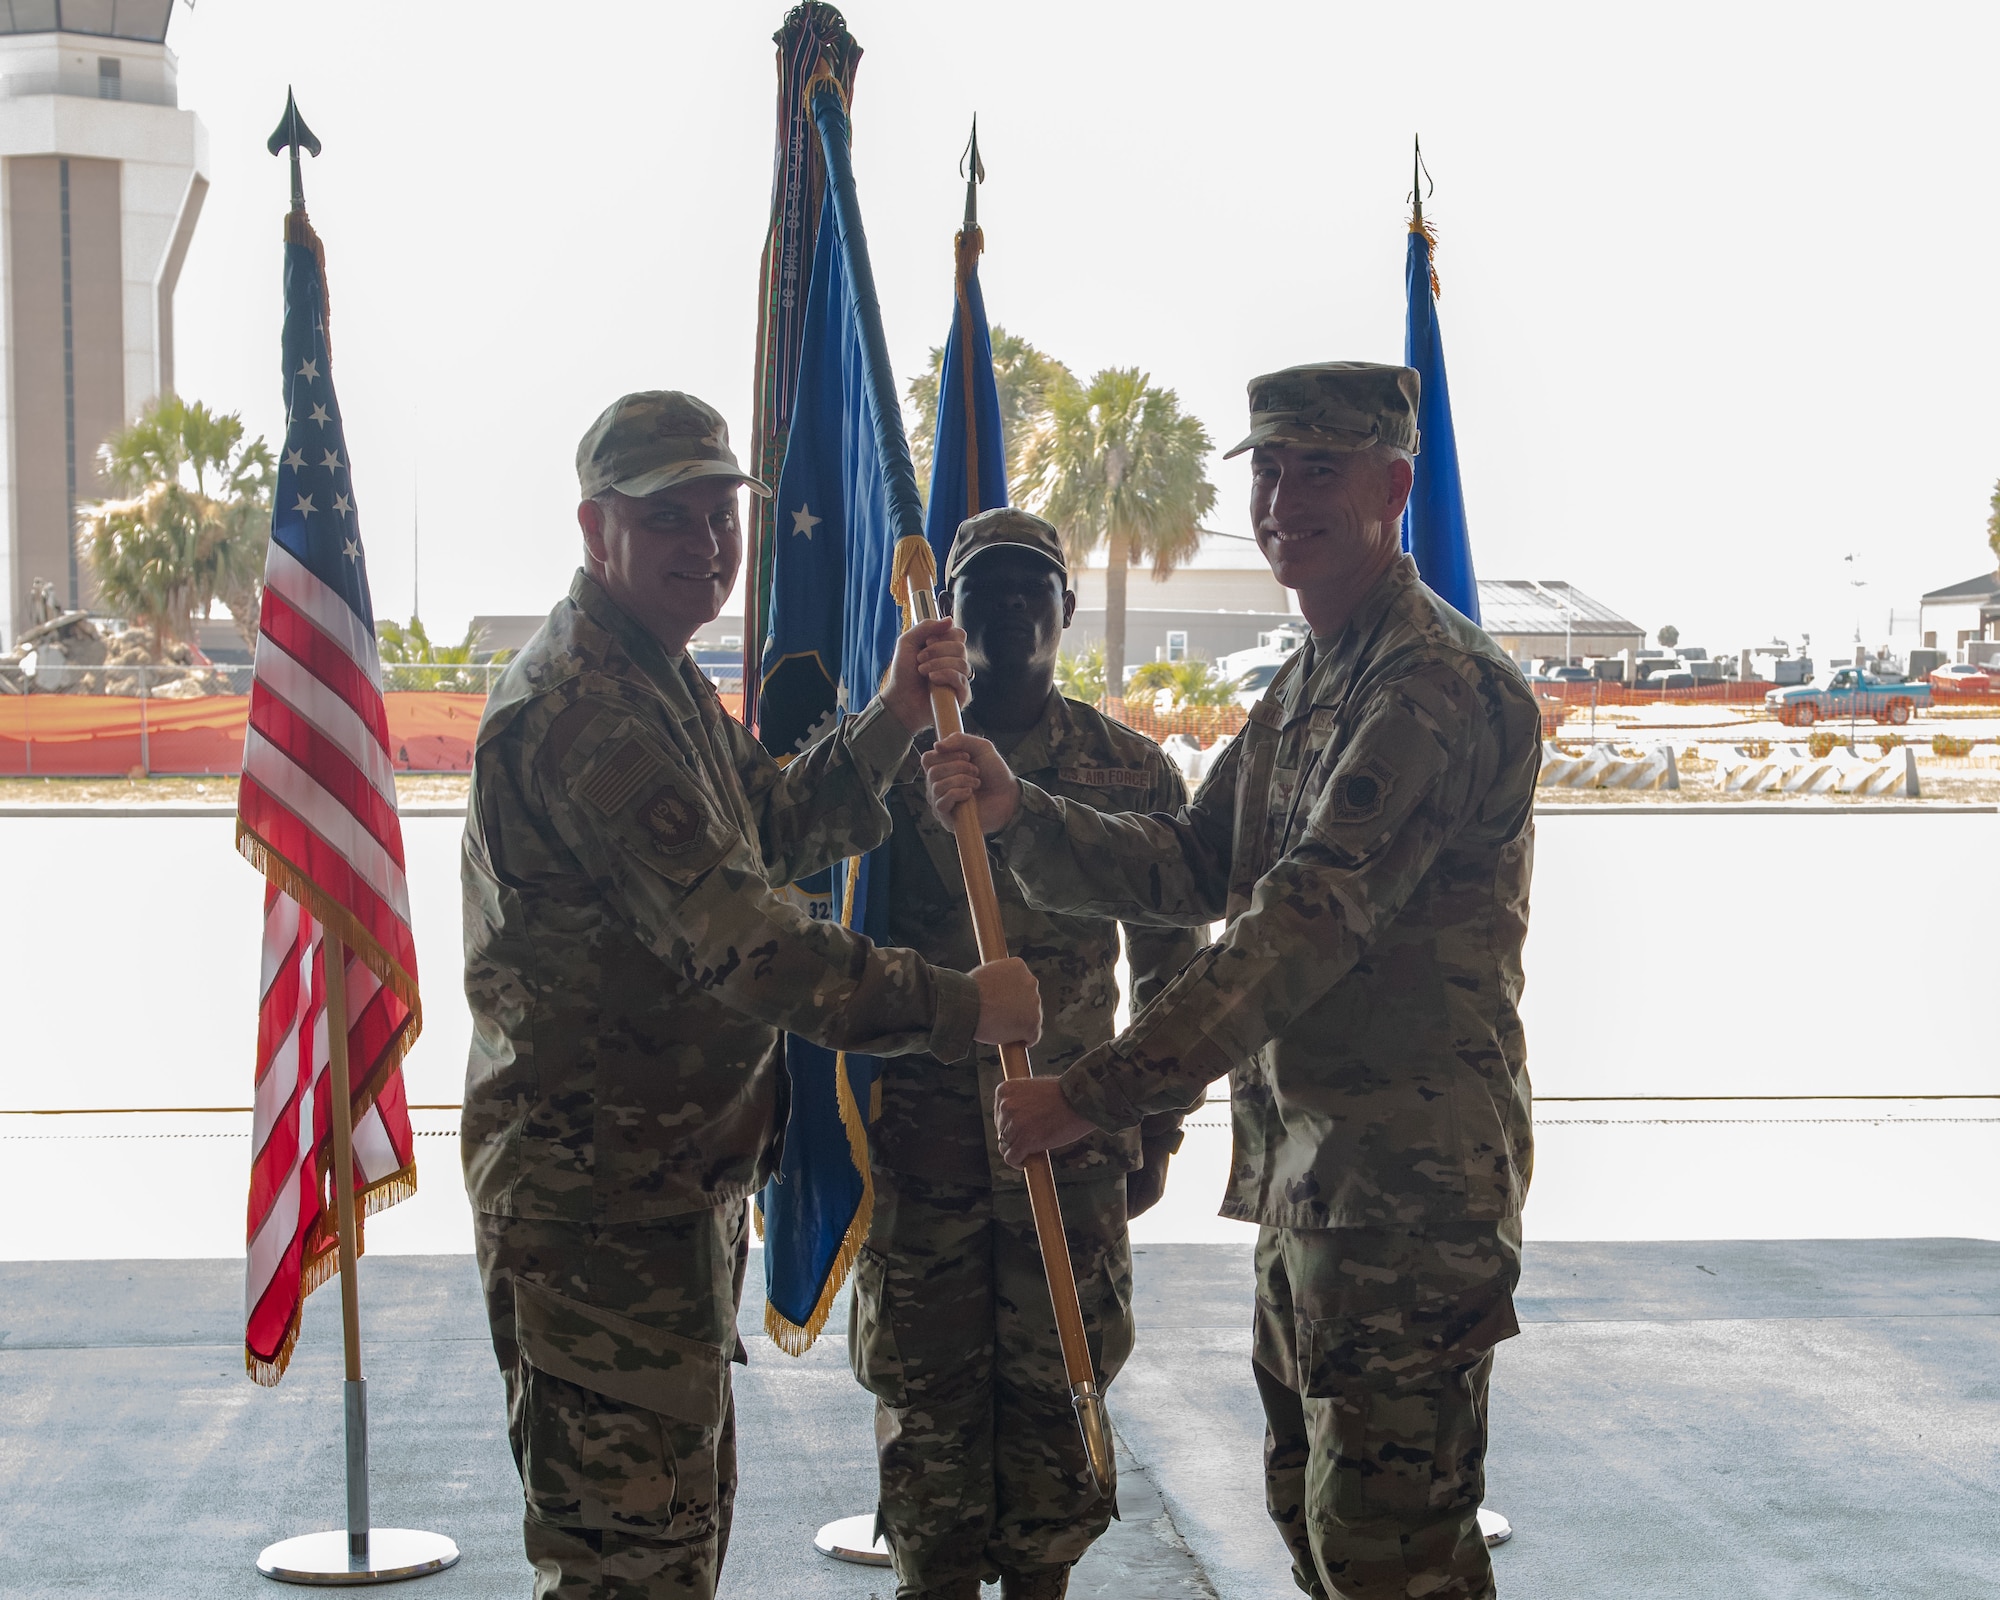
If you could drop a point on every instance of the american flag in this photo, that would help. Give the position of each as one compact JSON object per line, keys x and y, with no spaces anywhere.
{"x":316,"y":813}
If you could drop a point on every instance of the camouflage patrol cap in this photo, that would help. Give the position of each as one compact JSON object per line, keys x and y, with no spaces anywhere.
{"x":1337,"y":405}
{"x":1004,"y":528}
{"x":653,"y":440}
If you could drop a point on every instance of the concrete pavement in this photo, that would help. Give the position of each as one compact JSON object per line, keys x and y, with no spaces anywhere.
{"x":1791,"y":1419}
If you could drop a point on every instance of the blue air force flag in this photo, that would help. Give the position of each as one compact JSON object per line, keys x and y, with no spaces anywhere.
{"x":832,"y":634}
{"x":969,"y":459}
{"x":1434,"y":530}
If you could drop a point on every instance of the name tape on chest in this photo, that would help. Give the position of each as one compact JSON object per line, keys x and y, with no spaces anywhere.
{"x":1107,"y":777}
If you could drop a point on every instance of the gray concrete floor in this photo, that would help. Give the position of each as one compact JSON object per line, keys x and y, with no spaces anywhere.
{"x":1773,"y":1420}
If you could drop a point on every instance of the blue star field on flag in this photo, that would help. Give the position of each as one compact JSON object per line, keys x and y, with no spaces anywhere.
{"x":312,"y":510}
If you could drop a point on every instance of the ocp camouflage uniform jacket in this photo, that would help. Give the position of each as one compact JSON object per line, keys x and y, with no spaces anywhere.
{"x":1369,"y":836}
{"x":935,"y":1119}
{"x":629,"y":965}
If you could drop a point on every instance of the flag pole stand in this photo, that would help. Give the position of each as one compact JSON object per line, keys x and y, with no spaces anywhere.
{"x":361,"y":1553}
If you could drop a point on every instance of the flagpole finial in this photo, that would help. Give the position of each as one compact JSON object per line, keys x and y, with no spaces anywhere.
{"x":293,"y":133}
{"x":1417,"y":184}
{"x":973,"y":171}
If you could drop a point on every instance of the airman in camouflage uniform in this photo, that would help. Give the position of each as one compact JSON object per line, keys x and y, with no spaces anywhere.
{"x":1369,"y":838}
{"x":630,"y":969}
{"x":983,"y":1471}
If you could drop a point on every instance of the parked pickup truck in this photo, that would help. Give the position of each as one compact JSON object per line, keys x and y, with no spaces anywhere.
{"x":1850,"y":692}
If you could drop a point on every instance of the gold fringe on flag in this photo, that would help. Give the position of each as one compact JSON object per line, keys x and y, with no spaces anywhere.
{"x":1420,"y":224}
{"x":795,"y":1339}
{"x":913,"y":562}
{"x":322,"y":1261}
{"x":329,"y":913}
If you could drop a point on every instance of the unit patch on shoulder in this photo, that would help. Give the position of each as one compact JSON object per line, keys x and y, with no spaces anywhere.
{"x":1359,"y":796}
{"x":1106,"y":777}
{"x":618,"y":777}
{"x":671,"y":818}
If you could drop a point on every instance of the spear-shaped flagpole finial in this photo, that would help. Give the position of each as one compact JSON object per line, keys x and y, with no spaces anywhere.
{"x":293,"y":132}
{"x":973,"y":170}
{"x":1417,"y":183}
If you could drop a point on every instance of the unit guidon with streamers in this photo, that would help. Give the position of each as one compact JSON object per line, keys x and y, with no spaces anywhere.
{"x":316,"y":813}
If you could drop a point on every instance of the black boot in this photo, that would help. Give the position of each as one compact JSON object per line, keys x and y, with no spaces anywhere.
{"x":1044,"y":1583}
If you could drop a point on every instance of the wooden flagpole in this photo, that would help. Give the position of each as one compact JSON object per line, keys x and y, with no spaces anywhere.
{"x":992,"y":939}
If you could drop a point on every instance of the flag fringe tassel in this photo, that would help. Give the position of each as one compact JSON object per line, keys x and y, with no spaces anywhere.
{"x":329,"y":913}
{"x":322,"y":1261}
{"x":795,"y":1339}
{"x":1421,"y":224}
{"x":913,"y":562}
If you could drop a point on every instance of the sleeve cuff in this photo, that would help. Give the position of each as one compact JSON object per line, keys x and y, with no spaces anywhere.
{"x":1038,"y":814}
{"x":1094,"y":1093}
{"x":957,"y":1015}
{"x":878,"y":742}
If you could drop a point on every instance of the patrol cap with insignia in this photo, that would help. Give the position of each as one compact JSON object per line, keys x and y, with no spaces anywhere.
{"x":1337,"y":405}
{"x":654,"y":439}
{"x":1004,"y":528}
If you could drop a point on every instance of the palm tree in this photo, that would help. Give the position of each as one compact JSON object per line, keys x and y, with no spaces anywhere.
{"x":412,"y":661}
{"x":1080,"y":674}
{"x":1118,"y":464}
{"x":1187,"y":683}
{"x":164,"y":550}
{"x":1024,"y":377}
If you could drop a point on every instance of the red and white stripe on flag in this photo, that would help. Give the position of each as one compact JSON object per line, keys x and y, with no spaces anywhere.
{"x":292,"y":1232}
{"x":316,"y":813}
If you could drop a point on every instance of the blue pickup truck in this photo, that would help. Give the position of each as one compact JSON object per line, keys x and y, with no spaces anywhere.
{"x":1850,"y":692}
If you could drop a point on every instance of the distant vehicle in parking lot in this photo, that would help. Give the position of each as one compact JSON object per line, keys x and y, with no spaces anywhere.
{"x":1674,"y":679}
{"x":1253,"y":669}
{"x":1962,"y":679}
{"x":1850,"y":692}
{"x":1570,"y":675}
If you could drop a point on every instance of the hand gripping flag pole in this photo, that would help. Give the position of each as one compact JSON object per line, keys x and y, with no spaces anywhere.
{"x":915,"y":574}
{"x":313,"y":817}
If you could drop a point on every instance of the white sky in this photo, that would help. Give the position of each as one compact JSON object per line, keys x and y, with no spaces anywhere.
{"x":1717,"y":308}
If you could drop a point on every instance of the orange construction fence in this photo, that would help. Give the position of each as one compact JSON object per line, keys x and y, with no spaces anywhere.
{"x":100,"y":736}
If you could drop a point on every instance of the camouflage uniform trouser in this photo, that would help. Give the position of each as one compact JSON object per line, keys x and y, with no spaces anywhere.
{"x":1372,"y":1349}
{"x":982,"y":1467}
{"x":615,"y":1342}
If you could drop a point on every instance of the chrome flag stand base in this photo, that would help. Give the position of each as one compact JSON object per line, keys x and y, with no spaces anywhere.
{"x":853,"y":1539}
{"x":1495,"y":1528}
{"x":357,"y":1553}
{"x":391,"y":1554}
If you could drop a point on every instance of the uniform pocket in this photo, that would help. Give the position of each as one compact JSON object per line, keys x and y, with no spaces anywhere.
{"x":871,"y":1332}
{"x":624,"y":1421}
{"x":1386,"y":1448}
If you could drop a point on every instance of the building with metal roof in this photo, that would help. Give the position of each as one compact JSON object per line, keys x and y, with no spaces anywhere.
{"x":1534,"y":621}
{"x":1954,"y":616}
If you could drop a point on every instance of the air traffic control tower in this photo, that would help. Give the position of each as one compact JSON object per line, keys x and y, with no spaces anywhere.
{"x":104,"y":178}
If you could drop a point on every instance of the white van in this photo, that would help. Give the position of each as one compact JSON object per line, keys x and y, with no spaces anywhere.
{"x":1257,"y":666}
